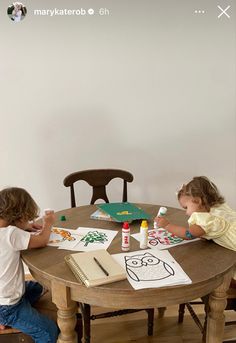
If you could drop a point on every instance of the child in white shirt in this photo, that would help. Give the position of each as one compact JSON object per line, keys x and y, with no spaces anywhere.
{"x":17,"y":208}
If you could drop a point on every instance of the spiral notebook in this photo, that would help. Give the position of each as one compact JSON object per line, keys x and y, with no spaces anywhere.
{"x":94,"y":268}
{"x":100,"y":215}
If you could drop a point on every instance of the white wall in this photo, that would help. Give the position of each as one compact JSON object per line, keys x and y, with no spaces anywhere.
{"x":149,"y":88}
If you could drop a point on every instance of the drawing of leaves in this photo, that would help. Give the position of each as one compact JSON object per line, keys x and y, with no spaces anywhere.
{"x":94,"y":237}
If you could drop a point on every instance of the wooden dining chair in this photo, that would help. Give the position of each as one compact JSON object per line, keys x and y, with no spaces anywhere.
{"x":231,"y":305}
{"x":10,"y":335}
{"x":45,"y":306}
{"x":98,"y":179}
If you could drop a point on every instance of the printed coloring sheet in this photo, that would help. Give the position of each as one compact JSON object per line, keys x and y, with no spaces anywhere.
{"x":63,"y":238}
{"x":81,"y":239}
{"x":93,"y":239}
{"x":162,"y":239}
{"x":151,"y":269}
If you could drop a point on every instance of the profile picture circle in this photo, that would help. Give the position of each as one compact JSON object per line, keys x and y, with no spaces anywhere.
{"x":16,"y":11}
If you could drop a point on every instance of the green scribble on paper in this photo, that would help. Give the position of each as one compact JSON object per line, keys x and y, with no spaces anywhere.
{"x":94,"y":237}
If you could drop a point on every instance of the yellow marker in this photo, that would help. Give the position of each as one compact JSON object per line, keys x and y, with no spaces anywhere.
{"x":144,"y":235}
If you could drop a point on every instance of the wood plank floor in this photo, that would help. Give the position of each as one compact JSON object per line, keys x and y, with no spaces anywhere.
{"x":133,"y":328}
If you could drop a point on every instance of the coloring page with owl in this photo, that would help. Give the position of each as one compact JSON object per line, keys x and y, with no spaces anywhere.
{"x":151,"y":269}
{"x":162,"y":239}
{"x":92,"y":239}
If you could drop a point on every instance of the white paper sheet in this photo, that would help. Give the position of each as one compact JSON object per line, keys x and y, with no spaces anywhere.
{"x":162,"y":239}
{"x":64,"y":238}
{"x":151,"y":269}
{"x":93,"y":239}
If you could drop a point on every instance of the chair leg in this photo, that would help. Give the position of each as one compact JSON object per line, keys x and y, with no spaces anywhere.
{"x":86,"y":316}
{"x":79,"y":328}
{"x":181,"y":313}
{"x":161,"y":311}
{"x":86,"y":320}
{"x":195,"y":317}
{"x":150,"y":313}
{"x":85,"y":311}
{"x":206,"y":309}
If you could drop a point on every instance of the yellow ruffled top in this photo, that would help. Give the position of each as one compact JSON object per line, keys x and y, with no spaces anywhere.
{"x":219,"y":225}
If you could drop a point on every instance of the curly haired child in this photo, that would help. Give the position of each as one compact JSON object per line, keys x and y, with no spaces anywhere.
{"x":17,"y":296}
{"x":209,"y":216}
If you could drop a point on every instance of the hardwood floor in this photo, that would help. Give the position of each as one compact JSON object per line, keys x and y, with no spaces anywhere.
{"x":133,"y":328}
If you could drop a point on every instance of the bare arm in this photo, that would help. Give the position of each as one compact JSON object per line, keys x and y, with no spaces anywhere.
{"x":41,"y":240}
{"x":34,"y":227}
{"x":194,"y":231}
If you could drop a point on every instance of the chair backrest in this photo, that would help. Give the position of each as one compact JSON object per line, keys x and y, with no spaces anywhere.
{"x":98,"y":179}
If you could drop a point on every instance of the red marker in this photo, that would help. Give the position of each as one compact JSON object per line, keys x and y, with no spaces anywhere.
{"x":125,"y":237}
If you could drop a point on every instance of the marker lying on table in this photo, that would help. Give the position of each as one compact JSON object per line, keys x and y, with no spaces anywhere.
{"x":101,"y":267}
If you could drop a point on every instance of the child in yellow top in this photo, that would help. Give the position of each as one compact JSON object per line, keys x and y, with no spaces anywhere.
{"x":209,"y":216}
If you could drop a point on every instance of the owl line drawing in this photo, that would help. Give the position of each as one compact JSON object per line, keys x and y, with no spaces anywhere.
{"x":147,"y":267}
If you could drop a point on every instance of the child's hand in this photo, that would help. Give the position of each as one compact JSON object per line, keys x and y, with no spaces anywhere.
{"x":49,"y":218}
{"x":33,"y":227}
{"x":161,"y":222}
{"x":41,"y":239}
{"x":36,"y":227}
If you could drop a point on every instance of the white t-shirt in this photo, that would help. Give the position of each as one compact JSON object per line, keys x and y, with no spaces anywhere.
{"x":12,"y":279}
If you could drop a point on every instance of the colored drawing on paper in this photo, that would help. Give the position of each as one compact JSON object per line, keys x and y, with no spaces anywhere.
{"x":60,"y":235}
{"x":94,"y":237}
{"x":163,"y":237}
{"x":147,"y":267}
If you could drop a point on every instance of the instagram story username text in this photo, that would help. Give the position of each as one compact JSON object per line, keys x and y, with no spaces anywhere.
{"x":70,"y":12}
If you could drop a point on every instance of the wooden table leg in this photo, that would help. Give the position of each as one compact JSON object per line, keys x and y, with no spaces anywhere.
{"x":216,"y":318}
{"x":66,"y":314}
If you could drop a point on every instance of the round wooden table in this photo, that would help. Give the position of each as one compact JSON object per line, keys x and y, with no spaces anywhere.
{"x":209,"y":266}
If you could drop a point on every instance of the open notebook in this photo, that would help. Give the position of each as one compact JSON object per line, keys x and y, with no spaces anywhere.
{"x":95,"y":268}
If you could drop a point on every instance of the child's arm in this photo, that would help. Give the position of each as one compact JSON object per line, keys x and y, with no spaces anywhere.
{"x":33,"y":227}
{"x":194,"y":231}
{"x":41,"y":240}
